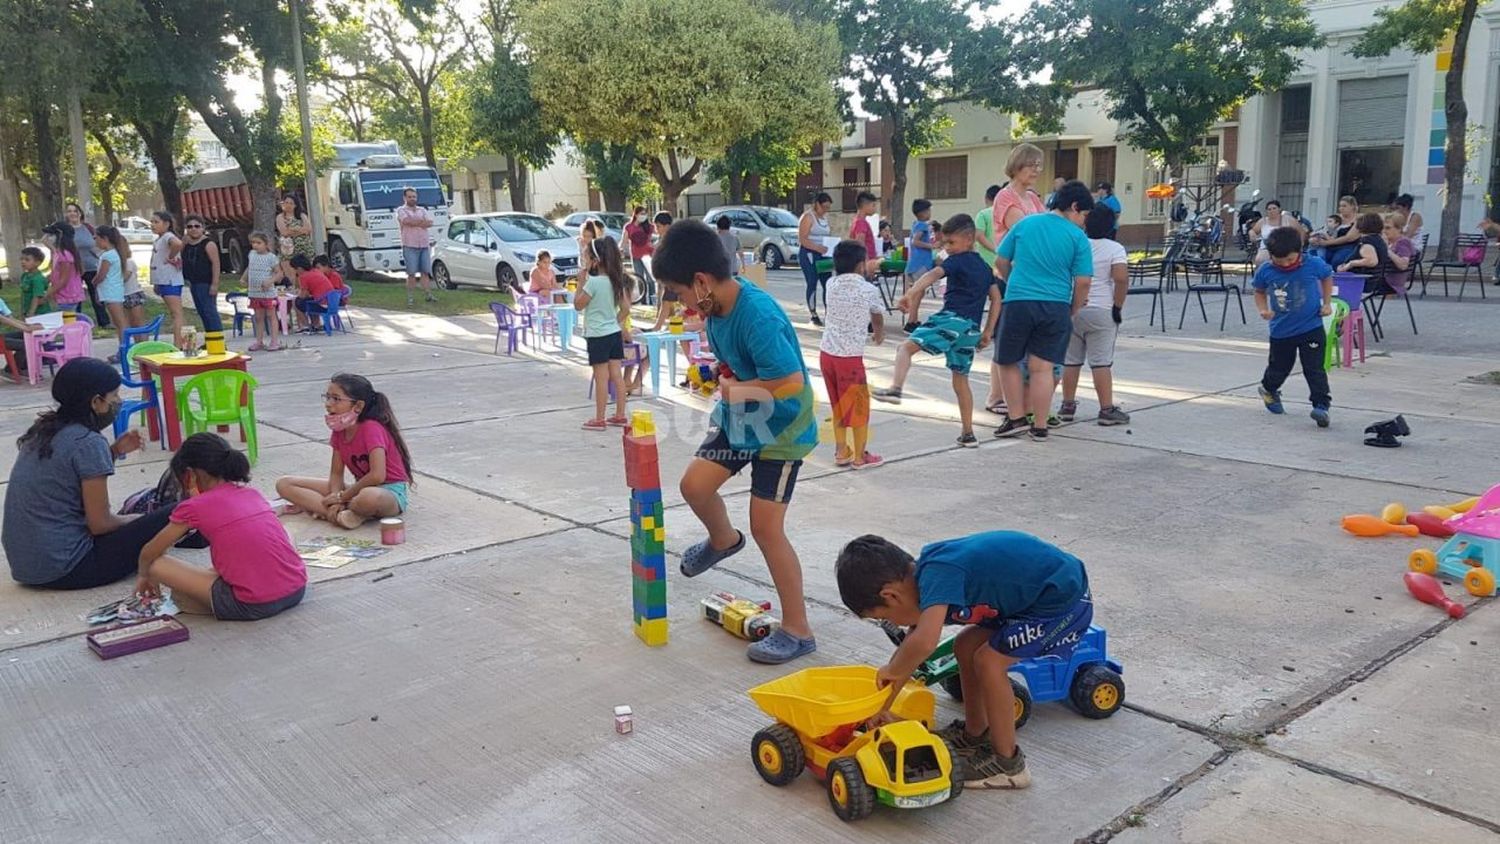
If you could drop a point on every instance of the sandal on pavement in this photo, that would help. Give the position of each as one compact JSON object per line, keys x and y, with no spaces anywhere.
{"x":617,"y":421}
{"x":257,"y":346}
{"x":780,"y":647}
{"x":595,"y":425}
{"x":843,"y":461}
{"x":871,"y":459}
{"x":704,"y":556}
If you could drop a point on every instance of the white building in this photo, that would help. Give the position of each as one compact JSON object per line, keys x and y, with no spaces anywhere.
{"x":1373,"y":127}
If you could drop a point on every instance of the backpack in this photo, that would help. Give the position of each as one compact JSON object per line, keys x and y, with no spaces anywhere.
{"x":167,"y":491}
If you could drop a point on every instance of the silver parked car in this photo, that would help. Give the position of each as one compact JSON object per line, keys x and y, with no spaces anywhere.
{"x":614,"y":222}
{"x":499,"y":249}
{"x":771,"y":233}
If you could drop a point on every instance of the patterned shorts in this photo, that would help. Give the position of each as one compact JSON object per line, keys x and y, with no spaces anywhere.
{"x":950,"y":335}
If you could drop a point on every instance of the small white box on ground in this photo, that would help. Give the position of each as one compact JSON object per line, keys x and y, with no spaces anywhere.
{"x":623,"y":723}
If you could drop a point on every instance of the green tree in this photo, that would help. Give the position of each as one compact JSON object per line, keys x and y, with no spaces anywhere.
{"x":410,"y":53}
{"x":1424,"y":26}
{"x":199,"y":46}
{"x":509,"y":121}
{"x":908,"y":58}
{"x":615,"y":170}
{"x":732,"y":71}
{"x":1170,"y":69}
{"x":763,"y":165}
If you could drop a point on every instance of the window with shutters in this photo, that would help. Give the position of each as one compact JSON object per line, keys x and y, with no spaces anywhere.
{"x":947,"y":177}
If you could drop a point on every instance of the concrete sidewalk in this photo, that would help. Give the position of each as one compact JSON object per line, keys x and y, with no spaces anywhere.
{"x":1280,"y":681}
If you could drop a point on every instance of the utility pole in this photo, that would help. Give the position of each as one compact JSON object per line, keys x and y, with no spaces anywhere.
{"x":83,"y":184}
{"x":304,"y":112}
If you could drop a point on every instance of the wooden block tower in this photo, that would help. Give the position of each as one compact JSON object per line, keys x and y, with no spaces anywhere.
{"x":648,"y":535}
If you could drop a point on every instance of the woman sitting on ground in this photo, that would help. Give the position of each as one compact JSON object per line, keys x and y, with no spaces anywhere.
{"x":60,"y":531}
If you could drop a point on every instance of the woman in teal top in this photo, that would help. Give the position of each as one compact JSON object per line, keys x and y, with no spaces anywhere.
{"x":604,"y":300}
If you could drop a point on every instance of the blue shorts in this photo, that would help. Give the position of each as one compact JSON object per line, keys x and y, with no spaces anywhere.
{"x":399,"y":490}
{"x":165,"y":290}
{"x":950,"y":335}
{"x":416,"y":259}
{"x":1033,"y":327}
{"x":770,"y":480}
{"x":1058,"y":635}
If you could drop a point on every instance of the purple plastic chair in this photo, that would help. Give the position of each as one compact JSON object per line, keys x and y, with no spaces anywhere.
{"x":512,"y":324}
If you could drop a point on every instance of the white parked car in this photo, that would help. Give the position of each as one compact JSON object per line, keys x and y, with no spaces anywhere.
{"x":614,"y":222}
{"x":494,"y":250}
{"x":137,"y":230}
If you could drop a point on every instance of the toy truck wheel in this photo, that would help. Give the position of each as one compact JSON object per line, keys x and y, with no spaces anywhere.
{"x":1480,"y":582}
{"x":850,"y":796}
{"x":778,"y":754}
{"x":1423,"y":560}
{"x":956,"y":772}
{"x":1097,"y":692}
{"x":954,"y":687}
{"x":1023,"y":702}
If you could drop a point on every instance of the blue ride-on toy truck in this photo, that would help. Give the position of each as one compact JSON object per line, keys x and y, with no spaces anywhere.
{"x":1089,"y":679}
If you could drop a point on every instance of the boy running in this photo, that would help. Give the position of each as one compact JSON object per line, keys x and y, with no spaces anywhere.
{"x":764,"y":420}
{"x":1294,"y":291}
{"x":953,"y":332}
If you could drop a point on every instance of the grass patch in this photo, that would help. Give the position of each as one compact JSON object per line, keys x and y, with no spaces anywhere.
{"x":391,"y":295}
{"x":1490,"y":378}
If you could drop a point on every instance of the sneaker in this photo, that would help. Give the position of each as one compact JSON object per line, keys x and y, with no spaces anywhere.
{"x":1038,"y":434}
{"x":1053,"y":421}
{"x":958,"y":738}
{"x":872,"y":459}
{"x":1011,"y":428}
{"x":1320,"y":416}
{"x":410,"y":301}
{"x":889,"y":395}
{"x":1068,"y":410}
{"x":988,"y":769}
{"x":1272,"y":400}
{"x":431,"y":298}
{"x":816,"y":320}
{"x":968,"y":440}
{"x":1113,"y":416}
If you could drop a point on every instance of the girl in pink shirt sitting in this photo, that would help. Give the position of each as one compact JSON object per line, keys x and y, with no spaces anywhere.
{"x":367,"y":441}
{"x":543,"y":277}
{"x":256,"y":572}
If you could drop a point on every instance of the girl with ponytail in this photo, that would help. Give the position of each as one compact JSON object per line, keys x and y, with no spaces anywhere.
{"x":256,"y":572}
{"x":367,"y":441}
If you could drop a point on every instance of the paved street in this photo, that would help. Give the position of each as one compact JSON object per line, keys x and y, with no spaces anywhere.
{"x":1281,"y":684}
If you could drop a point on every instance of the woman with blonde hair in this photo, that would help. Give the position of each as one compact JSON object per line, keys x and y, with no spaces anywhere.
{"x":1014,"y":201}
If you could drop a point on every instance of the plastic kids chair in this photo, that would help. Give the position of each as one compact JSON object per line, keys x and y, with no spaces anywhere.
{"x":223,"y":397}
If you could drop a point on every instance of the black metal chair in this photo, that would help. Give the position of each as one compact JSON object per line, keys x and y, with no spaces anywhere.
{"x":1464,"y":243}
{"x":1377,"y":290}
{"x":1211,"y":279}
{"x":1151,"y":276}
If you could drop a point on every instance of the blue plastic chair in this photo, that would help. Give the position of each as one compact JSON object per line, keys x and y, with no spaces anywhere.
{"x":510,"y":323}
{"x":150,"y":399}
{"x":332,"y":304}
{"x":151,"y":329}
{"x":240,"y":301}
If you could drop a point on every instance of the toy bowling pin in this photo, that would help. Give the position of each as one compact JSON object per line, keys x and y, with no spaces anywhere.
{"x":1463,"y":506}
{"x":1427,"y":589}
{"x":1429,"y":525}
{"x":1361,"y":524}
{"x":1393,"y":513}
{"x":1439,"y":511}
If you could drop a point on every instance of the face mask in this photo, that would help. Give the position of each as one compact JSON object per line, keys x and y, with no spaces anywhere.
{"x":337,"y":422}
{"x":705,"y":303}
{"x":107,"y":418}
{"x":1287,"y":268}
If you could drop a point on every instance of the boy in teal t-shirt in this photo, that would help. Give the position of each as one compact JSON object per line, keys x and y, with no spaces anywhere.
{"x":33,"y":284}
{"x":764,"y":420}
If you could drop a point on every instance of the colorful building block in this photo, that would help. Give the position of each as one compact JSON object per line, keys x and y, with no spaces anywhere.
{"x":648,"y":535}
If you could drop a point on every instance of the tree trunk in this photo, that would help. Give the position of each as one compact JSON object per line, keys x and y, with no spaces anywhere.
{"x":900,"y":158}
{"x":107,"y":183}
{"x":1455,"y":155}
{"x":672,"y":180}
{"x":263,"y":195}
{"x":426,"y":128}
{"x":517,"y":179}
{"x":49,"y":204}
{"x":157,"y":137}
{"x":736,"y":188}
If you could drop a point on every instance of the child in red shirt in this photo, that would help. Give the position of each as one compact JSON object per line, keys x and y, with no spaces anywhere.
{"x":866,"y":204}
{"x":256,"y":572}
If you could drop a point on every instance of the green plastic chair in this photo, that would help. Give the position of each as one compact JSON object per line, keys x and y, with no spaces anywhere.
{"x":147,"y":347}
{"x":1335,"y":322}
{"x":224,"y":397}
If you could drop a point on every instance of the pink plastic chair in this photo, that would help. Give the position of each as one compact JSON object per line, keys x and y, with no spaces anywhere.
{"x":77,"y":342}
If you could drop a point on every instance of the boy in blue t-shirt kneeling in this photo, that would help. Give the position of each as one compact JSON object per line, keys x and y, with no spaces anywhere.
{"x":1294,"y":291}
{"x":1020,"y":598}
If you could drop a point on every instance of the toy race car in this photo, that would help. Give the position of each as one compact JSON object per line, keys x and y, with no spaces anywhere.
{"x":1089,"y":678}
{"x":820,"y":724}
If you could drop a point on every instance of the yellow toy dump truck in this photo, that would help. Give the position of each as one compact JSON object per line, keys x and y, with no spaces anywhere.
{"x":820,"y":724}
